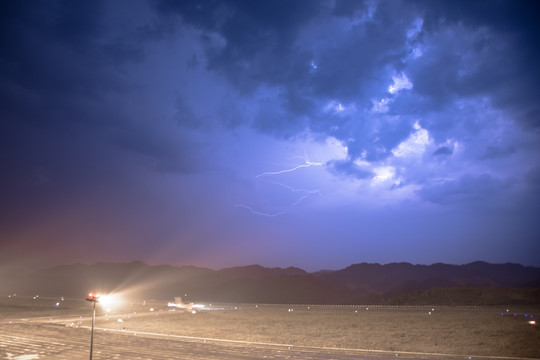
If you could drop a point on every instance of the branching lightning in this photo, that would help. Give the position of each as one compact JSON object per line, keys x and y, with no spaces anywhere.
{"x":258,"y":212}
{"x":305,"y":193}
{"x":305,"y":165}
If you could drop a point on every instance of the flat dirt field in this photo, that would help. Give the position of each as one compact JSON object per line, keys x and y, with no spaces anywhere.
{"x":56,"y":328}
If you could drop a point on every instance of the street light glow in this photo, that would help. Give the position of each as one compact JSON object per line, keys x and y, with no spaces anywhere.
{"x":109,"y":300}
{"x":105,"y":300}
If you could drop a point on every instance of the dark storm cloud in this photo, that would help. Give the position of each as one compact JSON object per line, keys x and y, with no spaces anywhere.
{"x":277,"y":44}
{"x":49,"y":48}
{"x":349,"y":168}
{"x":443,"y":150}
{"x":473,"y":190}
{"x":61,"y":70}
{"x":248,"y":29}
{"x":498,"y":151}
{"x":531,"y":119}
{"x":262,"y":45}
{"x":533,"y":177}
{"x":503,"y":42}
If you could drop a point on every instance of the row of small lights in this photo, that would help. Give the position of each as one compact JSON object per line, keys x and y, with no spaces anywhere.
{"x":108,"y":299}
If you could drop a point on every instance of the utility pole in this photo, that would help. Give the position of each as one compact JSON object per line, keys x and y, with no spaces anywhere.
{"x":93,"y":299}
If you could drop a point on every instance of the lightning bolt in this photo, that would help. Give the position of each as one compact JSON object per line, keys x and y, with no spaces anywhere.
{"x":305,"y":165}
{"x":255,"y":212}
{"x":305,"y":193}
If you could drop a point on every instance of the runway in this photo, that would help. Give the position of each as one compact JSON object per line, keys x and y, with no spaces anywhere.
{"x":32,"y":340}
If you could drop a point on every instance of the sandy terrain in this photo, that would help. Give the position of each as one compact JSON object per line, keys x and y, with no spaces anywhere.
{"x":39,"y":327}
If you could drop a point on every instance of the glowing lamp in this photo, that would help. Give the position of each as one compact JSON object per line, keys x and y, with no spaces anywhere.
{"x":108,"y":300}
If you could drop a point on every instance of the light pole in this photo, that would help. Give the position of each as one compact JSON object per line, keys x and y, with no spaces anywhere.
{"x":93,"y":299}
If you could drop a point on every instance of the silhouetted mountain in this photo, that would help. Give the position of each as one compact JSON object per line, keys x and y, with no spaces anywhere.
{"x":359,"y":283}
{"x":257,"y":271}
{"x":364,"y":279}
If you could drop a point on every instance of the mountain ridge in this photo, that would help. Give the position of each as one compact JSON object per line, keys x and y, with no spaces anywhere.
{"x":354,"y":284}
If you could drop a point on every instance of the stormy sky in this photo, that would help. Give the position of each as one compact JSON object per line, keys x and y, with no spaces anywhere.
{"x":315,"y":134}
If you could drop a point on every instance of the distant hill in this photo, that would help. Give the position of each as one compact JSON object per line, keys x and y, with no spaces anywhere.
{"x":396,"y":283}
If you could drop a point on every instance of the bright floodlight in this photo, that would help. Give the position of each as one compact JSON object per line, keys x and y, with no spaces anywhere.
{"x":108,"y":300}
{"x":105,"y":300}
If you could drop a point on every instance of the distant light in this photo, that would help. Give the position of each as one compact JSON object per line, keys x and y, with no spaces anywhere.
{"x":151,"y":309}
{"x":57,"y":304}
{"x":193,"y":311}
{"x":120,"y":320}
{"x":532,"y":322}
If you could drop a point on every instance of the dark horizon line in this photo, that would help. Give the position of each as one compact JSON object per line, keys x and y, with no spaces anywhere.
{"x":288,"y":267}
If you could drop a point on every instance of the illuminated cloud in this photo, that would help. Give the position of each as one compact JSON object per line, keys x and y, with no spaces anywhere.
{"x":400,"y":82}
{"x":415,"y":144}
{"x":381,"y":106}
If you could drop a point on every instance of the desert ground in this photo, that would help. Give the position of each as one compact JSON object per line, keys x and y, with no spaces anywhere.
{"x":34,"y":327}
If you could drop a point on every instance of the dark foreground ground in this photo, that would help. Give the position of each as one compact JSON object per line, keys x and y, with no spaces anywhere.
{"x":53,"y":328}
{"x":51,"y":341}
